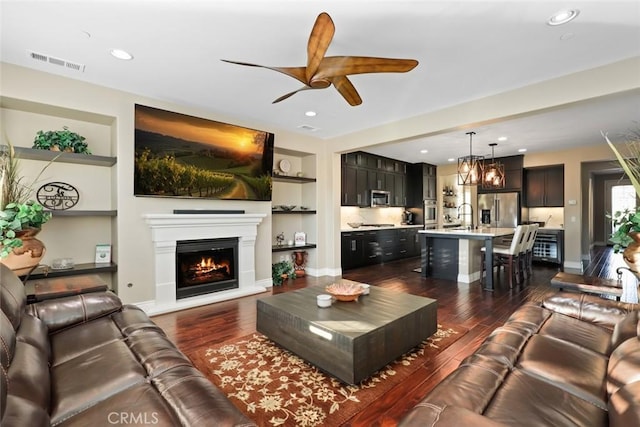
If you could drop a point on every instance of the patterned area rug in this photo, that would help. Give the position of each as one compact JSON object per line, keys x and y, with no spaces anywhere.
{"x":274,"y":387}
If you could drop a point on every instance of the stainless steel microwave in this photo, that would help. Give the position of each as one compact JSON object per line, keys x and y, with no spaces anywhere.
{"x":380,"y":199}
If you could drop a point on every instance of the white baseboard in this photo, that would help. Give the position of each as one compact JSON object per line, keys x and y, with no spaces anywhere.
{"x":573,"y":265}
{"x":152,"y":308}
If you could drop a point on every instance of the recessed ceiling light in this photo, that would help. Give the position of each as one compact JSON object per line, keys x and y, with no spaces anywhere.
{"x":502,"y":138}
{"x":563,"y":16}
{"x":121,"y":54}
{"x":424,"y":151}
{"x":522,"y":150}
{"x":450,"y":159}
{"x":310,"y":113}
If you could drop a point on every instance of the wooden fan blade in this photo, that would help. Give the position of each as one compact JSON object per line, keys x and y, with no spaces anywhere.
{"x":319,"y":40}
{"x":297,"y":73}
{"x":347,"y":90}
{"x":332,"y":66}
{"x":283,"y":97}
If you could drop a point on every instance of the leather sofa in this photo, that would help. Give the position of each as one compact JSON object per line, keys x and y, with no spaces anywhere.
{"x":571,"y":360}
{"x":87,"y":360}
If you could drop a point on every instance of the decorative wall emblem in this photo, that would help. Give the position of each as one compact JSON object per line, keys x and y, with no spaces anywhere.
{"x":58,"y":196}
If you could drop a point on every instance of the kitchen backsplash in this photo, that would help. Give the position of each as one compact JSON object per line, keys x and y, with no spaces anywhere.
{"x":553,"y":217}
{"x":370,"y":215}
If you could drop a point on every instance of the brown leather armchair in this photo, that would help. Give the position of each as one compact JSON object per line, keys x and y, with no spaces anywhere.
{"x":87,"y":360}
{"x":572,"y":360}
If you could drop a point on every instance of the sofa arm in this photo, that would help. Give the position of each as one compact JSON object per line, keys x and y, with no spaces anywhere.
{"x":61,"y":313}
{"x":589,"y":308}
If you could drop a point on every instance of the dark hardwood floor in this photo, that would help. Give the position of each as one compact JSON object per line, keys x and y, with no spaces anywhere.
{"x":467,"y":305}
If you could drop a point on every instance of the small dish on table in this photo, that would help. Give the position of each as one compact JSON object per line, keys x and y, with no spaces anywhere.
{"x":345,"y":291}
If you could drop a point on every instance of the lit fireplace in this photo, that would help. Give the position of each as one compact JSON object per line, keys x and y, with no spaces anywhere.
{"x":206,"y":266}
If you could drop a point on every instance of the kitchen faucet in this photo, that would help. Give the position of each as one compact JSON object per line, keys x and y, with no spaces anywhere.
{"x":471,"y":207}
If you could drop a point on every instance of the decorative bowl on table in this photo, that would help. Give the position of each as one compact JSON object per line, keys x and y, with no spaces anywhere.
{"x":345,"y":291}
{"x":354,"y":224}
{"x":287,"y":208}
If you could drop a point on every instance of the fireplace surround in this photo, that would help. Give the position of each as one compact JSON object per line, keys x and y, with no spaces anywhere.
{"x":168,"y":229}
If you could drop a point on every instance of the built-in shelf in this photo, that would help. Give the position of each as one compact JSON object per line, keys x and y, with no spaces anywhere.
{"x":87,"y":268}
{"x":83,"y":213}
{"x":284,"y":248}
{"x":62,"y":157}
{"x":293,"y":212}
{"x":286,"y":178}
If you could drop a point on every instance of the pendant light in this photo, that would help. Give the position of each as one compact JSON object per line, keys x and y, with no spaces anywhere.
{"x":470,"y":167}
{"x":493,"y":177}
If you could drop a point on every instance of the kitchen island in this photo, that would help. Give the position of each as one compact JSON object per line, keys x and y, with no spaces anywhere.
{"x":454,"y":254}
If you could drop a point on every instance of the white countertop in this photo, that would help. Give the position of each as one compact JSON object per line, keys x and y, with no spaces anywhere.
{"x":478,"y":232}
{"x":390,"y":227}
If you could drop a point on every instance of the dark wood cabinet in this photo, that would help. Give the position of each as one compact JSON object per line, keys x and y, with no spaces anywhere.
{"x":399,"y":193}
{"x":352,"y":250}
{"x":408,"y":243}
{"x":363,"y":172}
{"x":544,"y":186}
{"x":428,"y":182}
{"x":421,"y":183}
{"x":362,"y":248}
{"x":355,"y":186}
{"x":348,"y":189}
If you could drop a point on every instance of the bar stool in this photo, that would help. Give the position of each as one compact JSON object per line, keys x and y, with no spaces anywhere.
{"x":528,"y":253}
{"x":507,"y":256}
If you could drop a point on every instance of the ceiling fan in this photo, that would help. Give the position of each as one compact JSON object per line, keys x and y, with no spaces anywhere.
{"x":323,"y":71}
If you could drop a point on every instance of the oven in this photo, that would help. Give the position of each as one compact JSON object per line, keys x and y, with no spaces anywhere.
{"x":430,"y":212}
{"x":548,"y":246}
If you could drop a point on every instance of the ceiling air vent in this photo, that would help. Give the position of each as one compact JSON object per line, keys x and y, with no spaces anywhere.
{"x":55,"y":61}
{"x":308,"y":128}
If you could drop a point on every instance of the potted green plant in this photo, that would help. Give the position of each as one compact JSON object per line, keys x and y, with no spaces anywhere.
{"x":61,"y":140}
{"x":282,"y":270}
{"x":20,"y":218}
{"x":17,"y":220}
{"x":626,"y":235}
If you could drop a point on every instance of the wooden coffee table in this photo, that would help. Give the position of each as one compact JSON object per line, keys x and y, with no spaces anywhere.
{"x":349,"y":340}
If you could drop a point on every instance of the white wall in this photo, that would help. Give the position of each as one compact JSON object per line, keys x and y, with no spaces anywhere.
{"x":133,"y":247}
{"x":133,"y":236}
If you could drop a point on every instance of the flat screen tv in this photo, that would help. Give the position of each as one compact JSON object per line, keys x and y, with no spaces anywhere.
{"x":177,"y":155}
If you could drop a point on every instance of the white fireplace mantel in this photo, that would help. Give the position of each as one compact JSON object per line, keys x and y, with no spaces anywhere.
{"x":168,"y":229}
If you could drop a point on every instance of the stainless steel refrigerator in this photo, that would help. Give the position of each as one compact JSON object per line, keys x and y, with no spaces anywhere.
{"x":499,"y":209}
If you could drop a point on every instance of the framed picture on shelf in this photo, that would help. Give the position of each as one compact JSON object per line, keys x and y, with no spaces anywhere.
{"x":299,"y":238}
{"x":103,"y":254}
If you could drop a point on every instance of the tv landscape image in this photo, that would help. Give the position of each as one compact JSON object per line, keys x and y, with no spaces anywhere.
{"x":177,"y":155}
